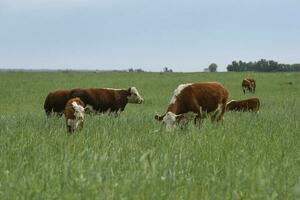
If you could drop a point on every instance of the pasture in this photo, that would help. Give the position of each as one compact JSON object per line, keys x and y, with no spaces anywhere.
{"x":249,"y":156}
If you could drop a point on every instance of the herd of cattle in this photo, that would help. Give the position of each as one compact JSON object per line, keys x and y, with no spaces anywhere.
{"x":193,"y":101}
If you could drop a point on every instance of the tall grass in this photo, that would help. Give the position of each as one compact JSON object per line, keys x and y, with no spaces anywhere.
{"x":249,"y":156}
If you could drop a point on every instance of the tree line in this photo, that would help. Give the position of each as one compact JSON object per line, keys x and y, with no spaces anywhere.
{"x":262,"y":66}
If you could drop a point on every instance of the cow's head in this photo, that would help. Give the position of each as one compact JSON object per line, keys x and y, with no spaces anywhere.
{"x":78,"y":111}
{"x":134,"y":96}
{"x":172,"y":120}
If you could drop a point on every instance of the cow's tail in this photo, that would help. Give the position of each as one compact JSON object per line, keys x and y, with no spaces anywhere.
{"x":159,"y":118}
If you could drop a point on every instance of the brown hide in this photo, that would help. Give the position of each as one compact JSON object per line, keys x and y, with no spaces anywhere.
{"x":56,"y":101}
{"x":198,"y":98}
{"x":249,"y":84}
{"x":253,"y":83}
{"x":103,"y":100}
{"x":243,"y":105}
{"x":69,"y":111}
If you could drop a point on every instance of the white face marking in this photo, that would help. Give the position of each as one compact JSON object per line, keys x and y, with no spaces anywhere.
{"x":177,"y":91}
{"x":135,"y":97}
{"x":170,"y":121}
{"x":78,"y":110}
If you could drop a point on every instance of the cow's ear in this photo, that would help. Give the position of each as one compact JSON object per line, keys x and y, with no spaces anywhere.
{"x":129,"y":90}
{"x":158,"y":118}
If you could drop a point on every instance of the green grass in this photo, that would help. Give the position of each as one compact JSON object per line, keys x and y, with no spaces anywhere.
{"x":249,"y":156}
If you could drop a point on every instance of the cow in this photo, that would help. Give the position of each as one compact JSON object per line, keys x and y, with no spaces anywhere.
{"x":252,"y":104}
{"x":74,"y":114}
{"x":198,"y":98}
{"x":109,"y":100}
{"x":55,"y":102}
{"x":249,"y":84}
{"x":253,"y":84}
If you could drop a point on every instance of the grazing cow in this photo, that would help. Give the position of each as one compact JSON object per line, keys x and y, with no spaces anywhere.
{"x":55,"y":102}
{"x":74,"y":114}
{"x":243,"y":105}
{"x":197,"y":98}
{"x":253,"y":84}
{"x":107,"y":99}
{"x":247,"y":85}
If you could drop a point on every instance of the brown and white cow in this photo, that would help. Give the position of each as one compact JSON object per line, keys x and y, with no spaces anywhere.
{"x":55,"y":102}
{"x":74,"y":114}
{"x":252,"y":104}
{"x":253,"y":84}
{"x":107,"y":99}
{"x":198,"y":98}
{"x":249,"y":84}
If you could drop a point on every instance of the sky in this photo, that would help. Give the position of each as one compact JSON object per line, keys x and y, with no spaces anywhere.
{"x":185,"y":36}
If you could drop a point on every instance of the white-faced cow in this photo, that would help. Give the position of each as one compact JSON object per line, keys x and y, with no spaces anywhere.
{"x":74,"y":114}
{"x":55,"y":102}
{"x":107,"y":99}
{"x":198,"y":98}
{"x":249,"y":84}
{"x":243,"y":105}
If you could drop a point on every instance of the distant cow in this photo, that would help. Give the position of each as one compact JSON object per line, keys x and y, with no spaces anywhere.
{"x":74,"y":114}
{"x":253,"y":84}
{"x":243,"y":105}
{"x":107,"y":99}
{"x":55,"y":102}
{"x":198,"y":98}
{"x":248,"y":84}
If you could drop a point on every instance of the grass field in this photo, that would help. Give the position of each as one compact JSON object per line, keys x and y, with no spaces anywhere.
{"x":250,"y":156}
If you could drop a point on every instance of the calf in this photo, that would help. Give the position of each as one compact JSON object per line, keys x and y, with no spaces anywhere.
{"x":247,"y":85}
{"x":55,"y":102}
{"x":107,"y":99}
{"x":253,"y":83}
{"x":74,"y":114}
{"x":243,"y":105}
{"x":197,"y":98}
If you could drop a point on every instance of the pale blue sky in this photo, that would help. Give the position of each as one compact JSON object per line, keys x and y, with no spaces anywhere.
{"x":122,"y":34}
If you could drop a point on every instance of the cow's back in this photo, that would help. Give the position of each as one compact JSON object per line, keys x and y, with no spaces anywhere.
{"x":101,"y":99}
{"x":206,"y":95}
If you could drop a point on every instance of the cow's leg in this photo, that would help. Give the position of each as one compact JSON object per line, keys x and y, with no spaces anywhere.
{"x":48,"y":112}
{"x":199,"y":117}
{"x":80,"y":125}
{"x":220,"y":116}
{"x":217,"y":115}
{"x":69,"y":128}
{"x":70,"y":125}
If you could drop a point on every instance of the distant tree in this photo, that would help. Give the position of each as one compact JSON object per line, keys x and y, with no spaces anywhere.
{"x":166,"y":69}
{"x":213,"y":67}
{"x":135,"y":70}
{"x":139,"y":70}
{"x":262,"y":65}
